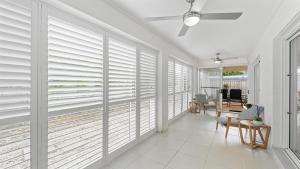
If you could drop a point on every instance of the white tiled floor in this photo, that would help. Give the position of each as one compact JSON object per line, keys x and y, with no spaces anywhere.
{"x":193,"y":143}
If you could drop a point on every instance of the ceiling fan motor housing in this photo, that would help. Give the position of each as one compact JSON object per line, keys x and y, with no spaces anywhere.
{"x":191,"y":18}
{"x":190,"y":1}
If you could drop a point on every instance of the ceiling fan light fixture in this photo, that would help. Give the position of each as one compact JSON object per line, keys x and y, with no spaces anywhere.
{"x":191,"y":18}
{"x":218,"y":61}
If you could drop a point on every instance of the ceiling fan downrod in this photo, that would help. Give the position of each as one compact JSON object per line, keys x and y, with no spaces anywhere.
{"x":190,"y":1}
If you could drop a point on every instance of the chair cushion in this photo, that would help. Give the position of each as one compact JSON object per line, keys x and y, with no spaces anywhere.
{"x":201,"y":98}
{"x":245,"y":115}
{"x":249,"y":114}
{"x":223,"y":120}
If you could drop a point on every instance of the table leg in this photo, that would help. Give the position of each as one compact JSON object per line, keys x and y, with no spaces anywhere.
{"x":241,"y":134}
{"x":218,"y":116}
{"x":254,"y":136}
{"x":261,"y":135}
{"x":267,"y":138}
{"x":227,"y":126}
{"x":251,"y":137}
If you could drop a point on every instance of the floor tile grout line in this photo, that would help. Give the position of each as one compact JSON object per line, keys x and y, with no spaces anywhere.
{"x":210,"y":148}
{"x":177,"y":151}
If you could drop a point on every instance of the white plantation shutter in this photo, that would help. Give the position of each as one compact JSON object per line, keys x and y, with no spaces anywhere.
{"x":185,"y":88}
{"x":178,"y":102}
{"x":190,"y":85}
{"x":15,"y":60}
{"x":122,"y":94}
{"x":147,"y":91}
{"x":184,"y":101}
{"x":170,"y":89}
{"x":178,"y":78}
{"x":75,"y":95}
{"x":15,"y":83}
{"x":178,"y":88}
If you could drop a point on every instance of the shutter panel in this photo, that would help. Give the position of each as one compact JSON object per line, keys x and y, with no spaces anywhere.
{"x":190,"y":83}
{"x":178,"y":88}
{"x":15,"y":83}
{"x":184,"y":101}
{"x":15,"y":60}
{"x":75,"y":95}
{"x":185,"y":88}
{"x":122,"y":94}
{"x":178,"y":78}
{"x":178,"y":102}
{"x":147,"y":91}
{"x":170,"y":89}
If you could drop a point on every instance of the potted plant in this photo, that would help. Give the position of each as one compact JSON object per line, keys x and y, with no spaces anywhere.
{"x":258,"y":121}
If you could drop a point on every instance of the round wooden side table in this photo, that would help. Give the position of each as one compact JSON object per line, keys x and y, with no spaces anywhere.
{"x":253,"y":130}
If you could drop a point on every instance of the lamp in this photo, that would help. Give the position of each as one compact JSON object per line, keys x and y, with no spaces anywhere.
{"x":191,"y":18}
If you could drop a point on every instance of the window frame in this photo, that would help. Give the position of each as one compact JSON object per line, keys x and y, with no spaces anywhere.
{"x":188,"y":67}
{"x":47,"y":8}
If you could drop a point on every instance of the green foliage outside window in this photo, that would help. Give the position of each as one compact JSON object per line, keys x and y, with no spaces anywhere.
{"x":232,"y":73}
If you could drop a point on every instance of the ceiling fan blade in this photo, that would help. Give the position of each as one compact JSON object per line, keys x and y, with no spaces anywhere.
{"x":183,"y":30}
{"x":231,"y":58}
{"x":163,"y":18}
{"x":220,"y":16}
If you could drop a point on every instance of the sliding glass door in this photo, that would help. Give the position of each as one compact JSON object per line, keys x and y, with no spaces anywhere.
{"x":295,"y":96}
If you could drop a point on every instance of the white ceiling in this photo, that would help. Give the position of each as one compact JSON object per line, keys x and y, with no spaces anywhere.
{"x":231,"y":38}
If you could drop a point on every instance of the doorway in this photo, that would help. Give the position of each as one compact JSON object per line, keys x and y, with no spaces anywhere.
{"x":294,"y":117}
{"x":210,"y":84}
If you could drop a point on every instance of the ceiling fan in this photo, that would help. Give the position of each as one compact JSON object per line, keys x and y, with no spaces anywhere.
{"x":191,"y":17}
{"x":218,"y":60}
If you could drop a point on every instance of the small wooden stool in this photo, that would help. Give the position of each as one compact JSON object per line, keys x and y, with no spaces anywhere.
{"x":194,"y":106}
{"x":252,"y":132}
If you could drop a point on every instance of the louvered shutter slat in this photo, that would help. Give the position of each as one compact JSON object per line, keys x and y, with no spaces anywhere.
{"x":75,"y":91}
{"x":15,"y":83}
{"x":122,"y":94}
{"x":184,"y":88}
{"x":178,"y":88}
{"x":190,"y":85}
{"x":170,"y":89}
{"x":147,"y":91}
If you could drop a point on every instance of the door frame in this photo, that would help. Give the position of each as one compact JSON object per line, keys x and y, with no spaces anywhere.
{"x":281,"y":89}
{"x":256,"y":81}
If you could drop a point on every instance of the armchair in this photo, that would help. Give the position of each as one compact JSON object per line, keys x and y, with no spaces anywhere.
{"x":205,"y":103}
{"x":225,"y":96}
{"x":235,"y":95}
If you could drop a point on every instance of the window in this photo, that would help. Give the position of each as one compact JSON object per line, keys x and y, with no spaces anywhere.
{"x":179,"y":88}
{"x":190,"y":84}
{"x":147,"y":91}
{"x":185,"y":88}
{"x":75,"y":95}
{"x":98,"y":90}
{"x":122,"y":94}
{"x":15,"y":84}
{"x":171,"y":86}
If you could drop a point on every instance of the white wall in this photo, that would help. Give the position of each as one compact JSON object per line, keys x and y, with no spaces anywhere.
{"x":285,"y":13}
